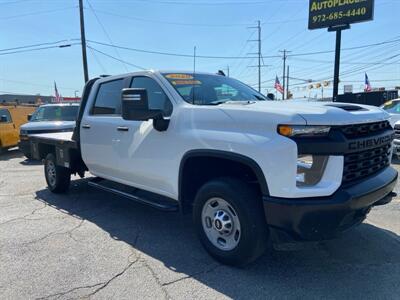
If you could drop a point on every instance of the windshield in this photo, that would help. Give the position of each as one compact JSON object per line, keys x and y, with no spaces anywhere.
{"x":204,"y":89}
{"x":55,"y":113}
{"x":392,"y":107}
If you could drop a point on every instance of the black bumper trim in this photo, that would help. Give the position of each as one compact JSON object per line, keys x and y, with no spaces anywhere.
{"x":323,"y":218}
{"x":24,"y":146}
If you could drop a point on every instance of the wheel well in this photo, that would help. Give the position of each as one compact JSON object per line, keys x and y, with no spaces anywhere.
{"x":196,"y":170}
{"x":46,"y":149}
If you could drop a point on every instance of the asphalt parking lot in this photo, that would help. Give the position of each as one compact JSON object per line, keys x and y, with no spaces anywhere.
{"x":90,"y":244}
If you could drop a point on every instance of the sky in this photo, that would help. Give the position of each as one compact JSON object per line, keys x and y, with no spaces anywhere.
{"x":217,"y":28}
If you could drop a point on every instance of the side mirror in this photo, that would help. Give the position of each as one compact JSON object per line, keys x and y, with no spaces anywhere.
{"x":271,"y":96}
{"x":135,"y":107}
{"x":29,"y":117}
{"x":3,"y":119}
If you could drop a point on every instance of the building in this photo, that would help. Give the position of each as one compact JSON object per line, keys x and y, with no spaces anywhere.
{"x":33,"y":99}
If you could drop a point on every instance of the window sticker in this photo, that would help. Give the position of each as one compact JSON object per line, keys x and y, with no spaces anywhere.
{"x":186,"y":82}
{"x":179,"y":76}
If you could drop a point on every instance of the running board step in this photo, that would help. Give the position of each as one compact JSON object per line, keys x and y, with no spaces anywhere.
{"x":137,"y":195}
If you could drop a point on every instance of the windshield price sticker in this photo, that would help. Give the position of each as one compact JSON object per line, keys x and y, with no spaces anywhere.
{"x":179,"y":76}
{"x":328,"y":13}
{"x":186,"y":82}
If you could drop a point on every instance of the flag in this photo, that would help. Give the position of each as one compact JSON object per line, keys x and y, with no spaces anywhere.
{"x":367,"y":87}
{"x":56,"y":94}
{"x":278,"y":85}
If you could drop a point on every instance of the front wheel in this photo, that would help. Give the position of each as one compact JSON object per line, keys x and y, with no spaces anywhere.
{"x":229,"y":220}
{"x":57,"y":178}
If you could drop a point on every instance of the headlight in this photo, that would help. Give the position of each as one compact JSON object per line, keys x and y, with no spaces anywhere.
{"x":310,"y":169}
{"x":303,"y":130}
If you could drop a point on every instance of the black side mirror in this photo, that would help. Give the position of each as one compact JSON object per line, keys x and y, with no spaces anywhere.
{"x":135,"y":107}
{"x":29,"y":117}
{"x":271,"y":96}
{"x":3,"y":119}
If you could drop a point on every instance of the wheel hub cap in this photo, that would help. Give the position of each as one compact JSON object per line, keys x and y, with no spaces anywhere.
{"x":221,"y":224}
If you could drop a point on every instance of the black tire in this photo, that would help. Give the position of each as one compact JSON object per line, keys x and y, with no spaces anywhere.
{"x":57,"y":178}
{"x":247,"y":205}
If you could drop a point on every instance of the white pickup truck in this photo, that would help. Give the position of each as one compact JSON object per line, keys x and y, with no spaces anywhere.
{"x":248,"y":169}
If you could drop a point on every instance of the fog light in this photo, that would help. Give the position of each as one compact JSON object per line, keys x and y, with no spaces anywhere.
{"x":310,"y":169}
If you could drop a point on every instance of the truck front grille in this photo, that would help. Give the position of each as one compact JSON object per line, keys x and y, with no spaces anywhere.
{"x":361,"y":130}
{"x":397,"y":132}
{"x":365,"y":163}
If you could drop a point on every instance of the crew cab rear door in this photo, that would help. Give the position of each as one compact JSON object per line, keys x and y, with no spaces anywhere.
{"x":99,"y":128}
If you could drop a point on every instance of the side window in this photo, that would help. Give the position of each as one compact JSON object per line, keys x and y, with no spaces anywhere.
{"x":157,"y":98}
{"x":6,"y":114}
{"x":108,"y":99}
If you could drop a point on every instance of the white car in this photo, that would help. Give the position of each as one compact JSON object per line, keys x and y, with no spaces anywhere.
{"x":247,"y":168}
{"x":60,"y":117}
{"x":392,"y":107}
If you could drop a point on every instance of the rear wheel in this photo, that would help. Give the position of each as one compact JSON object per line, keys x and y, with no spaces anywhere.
{"x":229,"y":220}
{"x":57,"y":178}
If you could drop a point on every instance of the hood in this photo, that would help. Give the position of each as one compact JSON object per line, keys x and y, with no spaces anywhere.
{"x":394,"y":118}
{"x":314,"y":113}
{"x":48,"y":125}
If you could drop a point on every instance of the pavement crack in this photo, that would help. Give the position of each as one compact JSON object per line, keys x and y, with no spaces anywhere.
{"x":58,"y":295}
{"x":57,"y":232}
{"x":25,"y":217}
{"x":106,"y":283}
{"x":99,"y":286}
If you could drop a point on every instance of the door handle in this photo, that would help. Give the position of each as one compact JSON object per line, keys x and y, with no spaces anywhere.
{"x":86,"y":126}
{"x":122,"y":128}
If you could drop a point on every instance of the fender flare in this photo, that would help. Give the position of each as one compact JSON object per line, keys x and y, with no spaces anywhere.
{"x":252,"y":164}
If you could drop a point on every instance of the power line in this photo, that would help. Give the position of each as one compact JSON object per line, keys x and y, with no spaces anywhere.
{"x":36,"y":45}
{"x":117,"y":59}
{"x":41,"y":48}
{"x":169,"y":22}
{"x":37,"y":13}
{"x":346,"y":49}
{"x":105,"y":32}
{"x":179,"y":54}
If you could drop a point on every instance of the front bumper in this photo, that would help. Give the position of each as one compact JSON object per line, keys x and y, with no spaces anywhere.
{"x":323,"y":218}
{"x":25,"y":146}
{"x":396,"y":147}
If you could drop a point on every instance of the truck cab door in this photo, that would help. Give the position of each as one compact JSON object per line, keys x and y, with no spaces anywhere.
{"x":98,"y":129}
{"x":8,"y":132}
{"x":145,"y":154}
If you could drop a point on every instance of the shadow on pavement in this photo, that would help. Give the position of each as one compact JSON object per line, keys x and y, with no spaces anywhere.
{"x":10,"y":154}
{"x":364,"y":262}
{"x":30,"y":162}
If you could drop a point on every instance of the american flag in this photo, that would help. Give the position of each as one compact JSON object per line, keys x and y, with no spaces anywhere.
{"x":367,"y":87}
{"x":278,"y":85}
{"x":57,"y":95}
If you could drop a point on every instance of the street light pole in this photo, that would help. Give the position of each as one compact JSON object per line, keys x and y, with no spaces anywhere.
{"x":83,"y":42}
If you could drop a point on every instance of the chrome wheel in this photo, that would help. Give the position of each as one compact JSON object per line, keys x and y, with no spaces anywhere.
{"x":51,"y":172}
{"x":221,"y":224}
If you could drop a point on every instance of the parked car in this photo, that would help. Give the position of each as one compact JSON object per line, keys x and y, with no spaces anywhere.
{"x":392,"y":107}
{"x":248,"y":169}
{"x":11,"y":118}
{"x":48,"y":118}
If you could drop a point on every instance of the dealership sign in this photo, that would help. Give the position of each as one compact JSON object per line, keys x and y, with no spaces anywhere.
{"x":332,"y":13}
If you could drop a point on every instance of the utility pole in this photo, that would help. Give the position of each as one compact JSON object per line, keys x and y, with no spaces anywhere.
{"x":259,"y":54}
{"x":287,"y":88}
{"x":284,"y":70}
{"x":227,"y":68}
{"x":83,"y":42}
